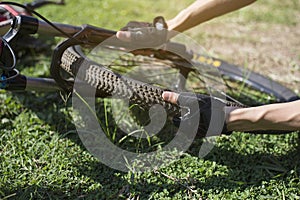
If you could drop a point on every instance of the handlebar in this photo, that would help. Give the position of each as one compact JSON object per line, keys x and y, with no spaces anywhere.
{"x":46,"y":29}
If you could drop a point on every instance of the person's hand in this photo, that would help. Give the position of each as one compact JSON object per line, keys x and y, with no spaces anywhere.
{"x":212,"y":112}
{"x":144,"y":34}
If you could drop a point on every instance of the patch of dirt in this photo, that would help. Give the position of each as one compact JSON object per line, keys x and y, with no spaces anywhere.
{"x":272,"y":50}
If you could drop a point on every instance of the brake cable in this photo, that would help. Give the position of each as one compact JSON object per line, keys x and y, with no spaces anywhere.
{"x":39,"y":15}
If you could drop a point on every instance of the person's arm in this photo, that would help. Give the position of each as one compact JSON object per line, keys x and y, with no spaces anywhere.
{"x":198,"y":12}
{"x":280,"y":116}
{"x":204,"y":10}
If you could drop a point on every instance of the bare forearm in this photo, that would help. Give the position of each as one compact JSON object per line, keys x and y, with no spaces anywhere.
{"x":204,"y":10}
{"x":283,"y":116}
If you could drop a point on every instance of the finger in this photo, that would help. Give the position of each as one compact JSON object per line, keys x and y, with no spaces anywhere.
{"x":124,"y":36}
{"x":170,"y":97}
{"x":160,"y":23}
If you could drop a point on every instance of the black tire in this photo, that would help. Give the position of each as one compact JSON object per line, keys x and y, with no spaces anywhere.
{"x":147,"y":93}
{"x":274,"y":92}
{"x":259,"y":82}
{"x":108,"y":81}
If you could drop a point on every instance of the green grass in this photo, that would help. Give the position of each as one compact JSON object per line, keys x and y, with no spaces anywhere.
{"x":42,"y":157}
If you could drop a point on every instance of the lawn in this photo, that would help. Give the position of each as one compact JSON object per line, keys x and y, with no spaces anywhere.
{"x":42,"y":157}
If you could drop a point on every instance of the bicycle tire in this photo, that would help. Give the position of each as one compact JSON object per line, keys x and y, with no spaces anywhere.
{"x":256,"y":81}
{"x":108,"y":83}
{"x":260,"y":82}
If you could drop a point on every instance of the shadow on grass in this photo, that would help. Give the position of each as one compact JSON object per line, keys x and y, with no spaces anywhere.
{"x":244,"y":171}
{"x":54,"y":111}
{"x":252,"y":169}
{"x":49,"y":107}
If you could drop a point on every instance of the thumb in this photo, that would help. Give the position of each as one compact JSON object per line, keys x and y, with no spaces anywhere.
{"x":170,"y":97}
{"x":124,"y":36}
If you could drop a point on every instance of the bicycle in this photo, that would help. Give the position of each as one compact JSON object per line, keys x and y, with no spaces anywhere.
{"x":68,"y":57}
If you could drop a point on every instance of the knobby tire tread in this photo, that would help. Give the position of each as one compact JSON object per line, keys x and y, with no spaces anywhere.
{"x":109,"y":83}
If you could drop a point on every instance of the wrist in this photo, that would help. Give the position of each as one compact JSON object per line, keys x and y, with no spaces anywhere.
{"x":177,"y":23}
{"x":246,"y":119}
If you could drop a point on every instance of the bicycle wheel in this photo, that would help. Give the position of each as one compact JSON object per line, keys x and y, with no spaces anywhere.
{"x":152,"y":75}
{"x":141,"y":76}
